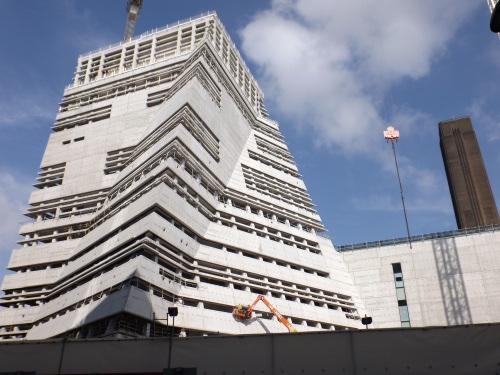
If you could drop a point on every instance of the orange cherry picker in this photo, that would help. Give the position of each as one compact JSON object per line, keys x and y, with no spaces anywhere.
{"x":245,"y":312}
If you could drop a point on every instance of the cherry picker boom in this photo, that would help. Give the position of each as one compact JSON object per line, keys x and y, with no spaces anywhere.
{"x":245,"y":312}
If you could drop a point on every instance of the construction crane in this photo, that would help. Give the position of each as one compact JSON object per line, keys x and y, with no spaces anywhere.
{"x":133,"y":9}
{"x":245,"y":312}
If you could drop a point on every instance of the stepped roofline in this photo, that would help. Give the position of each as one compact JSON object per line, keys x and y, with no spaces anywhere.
{"x":148,"y":33}
{"x":129,"y":55}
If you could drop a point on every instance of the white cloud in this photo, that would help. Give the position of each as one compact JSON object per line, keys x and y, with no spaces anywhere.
{"x":411,"y":121}
{"x":327,"y":64}
{"x":89,"y":35}
{"x":26,"y":108}
{"x":481,"y":113}
{"x":386,"y":202}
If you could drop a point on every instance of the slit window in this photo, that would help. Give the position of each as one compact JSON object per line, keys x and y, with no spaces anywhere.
{"x":404,"y":314}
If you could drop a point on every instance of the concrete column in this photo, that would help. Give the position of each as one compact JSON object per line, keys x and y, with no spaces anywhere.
{"x":228,"y":51}
{"x":153,"y":50}
{"x":101,"y":65}
{"x":87,"y":71}
{"x":179,"y":37}
{"x":55,"y":233}
{"x":77,"y":75}
{"x":122,"y":61}
{"x":193,"y":32}
{"x":134,"y":58}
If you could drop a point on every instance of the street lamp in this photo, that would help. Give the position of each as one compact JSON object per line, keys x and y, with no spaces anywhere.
{"x":366,"y":320}
{"x":392,"y":135}
{"x":173,"y":312}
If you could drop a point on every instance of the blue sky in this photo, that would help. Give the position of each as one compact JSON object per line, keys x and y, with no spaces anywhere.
{"x":334,"y":73}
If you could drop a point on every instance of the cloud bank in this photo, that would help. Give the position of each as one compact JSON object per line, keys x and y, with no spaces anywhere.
{"x":21,"y":109}
{"x":328,"y":65}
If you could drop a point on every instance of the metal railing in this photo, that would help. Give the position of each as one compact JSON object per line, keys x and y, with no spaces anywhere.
{"x":419,"y":238}
{"x":149,"y":32}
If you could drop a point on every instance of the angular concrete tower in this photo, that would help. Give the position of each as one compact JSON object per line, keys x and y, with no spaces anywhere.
{"x":165,"y":184}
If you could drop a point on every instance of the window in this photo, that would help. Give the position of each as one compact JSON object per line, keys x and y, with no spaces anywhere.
{"x":404,"y":314}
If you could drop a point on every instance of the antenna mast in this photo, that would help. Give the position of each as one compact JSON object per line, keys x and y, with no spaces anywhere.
{"x":392,"y":135}
{"x":133,"y":9}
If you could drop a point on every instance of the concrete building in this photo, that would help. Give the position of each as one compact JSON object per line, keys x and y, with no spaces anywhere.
{"x":445,"y":279}
{"x":468,"y":181}
{"x":165,"y":184}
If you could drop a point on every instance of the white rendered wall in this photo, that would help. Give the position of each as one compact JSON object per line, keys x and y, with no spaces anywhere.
{"x":448,"y":281}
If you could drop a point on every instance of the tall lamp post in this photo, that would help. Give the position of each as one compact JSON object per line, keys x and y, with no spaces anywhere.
{"x":173,"y":312}
{"x":392,"y":135}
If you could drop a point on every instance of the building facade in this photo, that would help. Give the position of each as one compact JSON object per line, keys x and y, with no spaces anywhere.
{"x":164,"y":183}
{"x":444,"y":279}
{"x":470,"y":189}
